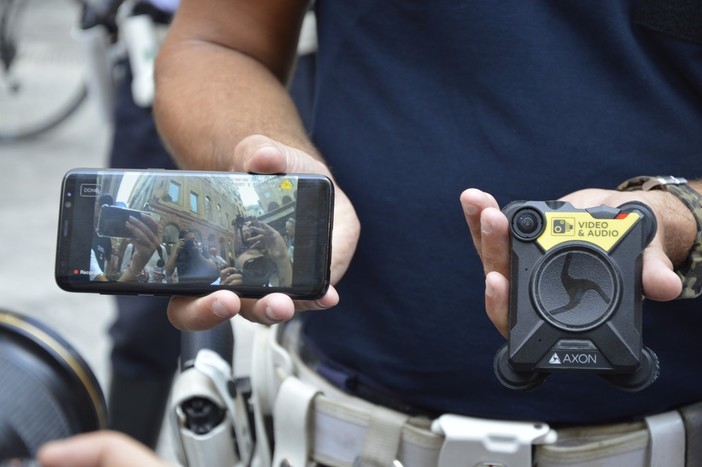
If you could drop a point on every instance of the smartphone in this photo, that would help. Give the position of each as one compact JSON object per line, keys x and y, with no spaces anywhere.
{"x":113,"y":221}
{"x":173,"y":232}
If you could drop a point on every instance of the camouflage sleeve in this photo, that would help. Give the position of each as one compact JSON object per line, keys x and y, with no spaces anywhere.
{"x":690,"y":272}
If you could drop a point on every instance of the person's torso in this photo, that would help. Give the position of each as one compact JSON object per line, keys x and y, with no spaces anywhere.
{"x":416,"y":101}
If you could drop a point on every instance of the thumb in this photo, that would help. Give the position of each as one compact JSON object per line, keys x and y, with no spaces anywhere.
{"x":264,"y":155}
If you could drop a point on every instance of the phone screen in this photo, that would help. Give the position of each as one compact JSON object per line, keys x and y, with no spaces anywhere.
{"x":158,"y":232}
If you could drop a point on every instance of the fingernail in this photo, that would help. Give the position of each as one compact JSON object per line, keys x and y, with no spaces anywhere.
{"x":269,"y":313}
{"x":485,"y":227}
{"x":220,"y":310}
{"x":471,"y":209}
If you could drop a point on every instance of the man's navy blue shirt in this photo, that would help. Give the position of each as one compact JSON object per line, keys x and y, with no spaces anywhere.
{"x":416,"y":101}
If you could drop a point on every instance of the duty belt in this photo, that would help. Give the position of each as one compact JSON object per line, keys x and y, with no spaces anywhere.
{"x":316,"y":422}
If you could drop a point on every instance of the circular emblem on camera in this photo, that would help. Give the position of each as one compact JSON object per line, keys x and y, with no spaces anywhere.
{"x":575,"y":288}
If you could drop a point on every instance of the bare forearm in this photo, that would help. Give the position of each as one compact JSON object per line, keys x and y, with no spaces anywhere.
{"x":284,"y":272}
{"x":171,"y":265}
{"x":214,"y":90}
{"x":202,"y":124}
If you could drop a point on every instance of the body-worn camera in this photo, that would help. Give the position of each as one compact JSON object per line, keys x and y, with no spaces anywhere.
{"x":576,"y":294}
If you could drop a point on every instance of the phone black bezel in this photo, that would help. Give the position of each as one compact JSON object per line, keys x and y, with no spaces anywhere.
{"x":311,"y":268}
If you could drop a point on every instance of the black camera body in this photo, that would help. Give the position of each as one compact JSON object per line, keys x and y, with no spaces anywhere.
{"x":576,"y":294}
{"x":257,"y":271}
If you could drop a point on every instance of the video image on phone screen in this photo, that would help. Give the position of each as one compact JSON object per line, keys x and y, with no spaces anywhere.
{"x":167,"y":228}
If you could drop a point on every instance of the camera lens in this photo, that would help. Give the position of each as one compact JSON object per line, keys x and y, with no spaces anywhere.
{"x":258,"y":270}
{"x":49,"y":392}
{"x":526,"y":224}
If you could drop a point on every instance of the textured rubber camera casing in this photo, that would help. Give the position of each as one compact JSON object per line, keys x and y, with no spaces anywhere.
{"x":576,"y":294}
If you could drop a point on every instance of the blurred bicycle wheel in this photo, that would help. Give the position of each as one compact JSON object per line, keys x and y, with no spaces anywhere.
{"x":41,"y":70}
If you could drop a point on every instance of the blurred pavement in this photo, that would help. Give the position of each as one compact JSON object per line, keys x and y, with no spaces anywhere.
{"x":30,"y":181}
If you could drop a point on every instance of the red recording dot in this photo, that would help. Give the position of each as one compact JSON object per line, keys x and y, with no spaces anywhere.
{"x":76,"y":272}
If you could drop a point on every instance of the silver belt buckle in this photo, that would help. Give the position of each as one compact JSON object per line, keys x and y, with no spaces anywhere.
{"x":475,"y":442}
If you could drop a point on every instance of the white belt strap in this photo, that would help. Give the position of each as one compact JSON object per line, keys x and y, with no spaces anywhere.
{"x":667,"y":445}
{"x":342,"y":431}
{"x":383,"y":438}
{"x":315,"y":421}
{"x":291,"y":417}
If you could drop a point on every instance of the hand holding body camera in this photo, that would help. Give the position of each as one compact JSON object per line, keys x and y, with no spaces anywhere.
{"x":576,"y":294}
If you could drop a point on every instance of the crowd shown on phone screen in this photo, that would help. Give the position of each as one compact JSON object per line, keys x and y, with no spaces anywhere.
{"x":262,"y":256}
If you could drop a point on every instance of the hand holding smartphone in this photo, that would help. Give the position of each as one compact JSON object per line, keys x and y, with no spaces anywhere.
{"x":191,"y":233}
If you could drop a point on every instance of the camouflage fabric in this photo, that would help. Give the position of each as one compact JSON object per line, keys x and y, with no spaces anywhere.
{"x":690,"y":272}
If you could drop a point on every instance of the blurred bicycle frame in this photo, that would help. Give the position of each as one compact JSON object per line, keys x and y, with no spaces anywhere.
{"x":52,"y":59}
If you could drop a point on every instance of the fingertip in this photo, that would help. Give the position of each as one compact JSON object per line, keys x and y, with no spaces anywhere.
{"x":96,"y":448}
{"x":196,"y":314}
{"x":274,"y":308}
{"x":266,"y":159}
{"x":225,"y":305}
{"x":491,"y":213}
{"x":493,"y":220}
{"x":48,"y":452}
{"x":260,"y":154}
{"x":659,"y":280}
{"x":470,"y":195}
{"x":497,"y":283}
{"x":661,"y":284}
{"x":478,"y":198}
{"x":330,"y":299}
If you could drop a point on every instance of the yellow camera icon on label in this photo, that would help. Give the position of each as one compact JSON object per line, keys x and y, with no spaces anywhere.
{"x":563,"y":226}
